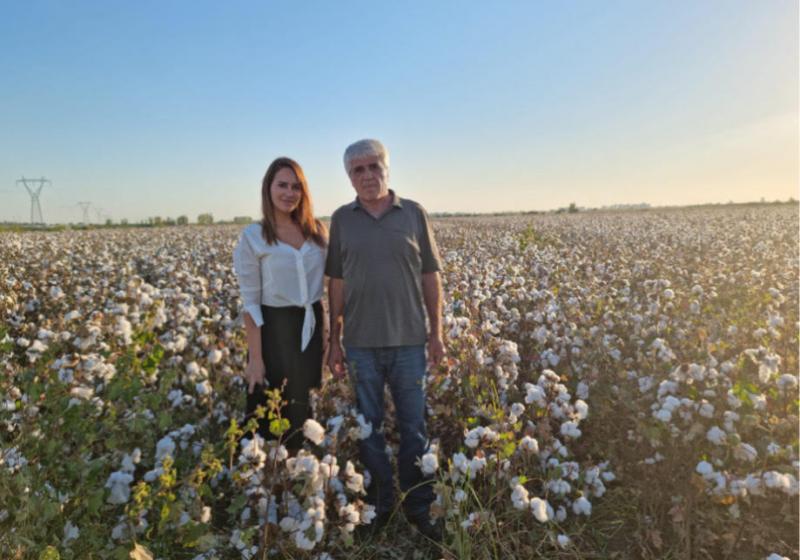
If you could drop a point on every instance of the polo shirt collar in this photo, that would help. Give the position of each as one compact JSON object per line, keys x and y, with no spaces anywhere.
{"x":396,"y":201}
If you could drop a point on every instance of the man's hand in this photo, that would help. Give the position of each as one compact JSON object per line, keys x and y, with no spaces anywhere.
{"x":254,"y":374}
{"x":336,"y":361}
{"x":435,"y":350}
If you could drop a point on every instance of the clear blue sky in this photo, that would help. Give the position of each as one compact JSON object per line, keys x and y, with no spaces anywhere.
{"x":165,"y":108}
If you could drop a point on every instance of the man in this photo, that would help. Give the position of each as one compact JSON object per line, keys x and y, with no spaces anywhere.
{"x":384,"y":265}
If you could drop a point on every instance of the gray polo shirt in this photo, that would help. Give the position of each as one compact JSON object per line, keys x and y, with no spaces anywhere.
{"x":381,"y":262}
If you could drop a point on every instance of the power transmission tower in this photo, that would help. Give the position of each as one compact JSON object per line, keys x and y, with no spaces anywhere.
{"x":34,"y":191}
{"x":85,"y":207}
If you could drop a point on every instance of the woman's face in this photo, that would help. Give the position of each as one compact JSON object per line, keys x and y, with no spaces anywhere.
{"x":286,"y":192}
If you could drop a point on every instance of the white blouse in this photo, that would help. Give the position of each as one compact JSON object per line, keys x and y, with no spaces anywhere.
{"x":279,"y":276}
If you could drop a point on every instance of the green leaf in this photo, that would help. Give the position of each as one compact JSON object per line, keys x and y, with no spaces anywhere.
{"x":508,"y":449}
{"x":164,"y":420}
{"x":279,"y":426}
{"x":237,"y":504}
{"x":150,"y":363}
{"x":50,"y":553}
{"x":95,"y":501}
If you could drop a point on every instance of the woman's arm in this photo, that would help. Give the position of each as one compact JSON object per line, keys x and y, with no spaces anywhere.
{"x":254,"y":371}
{"x":248,"y":271}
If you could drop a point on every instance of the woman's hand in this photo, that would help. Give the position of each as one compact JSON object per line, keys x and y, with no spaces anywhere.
{"x":254,"y":373}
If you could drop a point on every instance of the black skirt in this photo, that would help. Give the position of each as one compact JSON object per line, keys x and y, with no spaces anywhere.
{"x":281,"y":336}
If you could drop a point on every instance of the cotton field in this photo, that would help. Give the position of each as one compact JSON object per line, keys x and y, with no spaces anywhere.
{"x":618,"y":385}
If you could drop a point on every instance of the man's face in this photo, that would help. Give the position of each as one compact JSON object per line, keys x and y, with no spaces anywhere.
{"x":369,"y":177}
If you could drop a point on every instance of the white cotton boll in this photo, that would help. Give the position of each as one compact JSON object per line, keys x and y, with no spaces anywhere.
{"x":214,"y":357}
{"x":668,"y":294}
{"x":334,"y":424}
{"x":288,"y":524}
{"x":582,"y":506}
{"x":542,"y":510}
{"x":787,"y":382}
{"x":570,"y":429}
{"x":582,"y":409}
{"x":706,"y":409}
{"x":203,"y":388}
{"x":776,"y":480}
{"x":459,"y":496}
{"x":119,"y":531}
{"x":559,"y":486}
{"x":124,"y":330}
{"x":205,"y":515}
{"x":470,"y":521}
{"x":127,"y":464}
{"x":745,"y":452}
{"x":302,"y":542}
{"x":71,"y":532}
{"x":759,"y":401}
{"x":773,"y":449}
{"x":461,"y":462}
{"x":84,"y":393}
{"x":582,"y":391}
{"x":663,"y":415}
{"x":476,"y":465}
{"x":704,"y":468}
{"x":355,"y":481}
{"x":164,"y":447}
{"x":277,"y":453}
{"x":696,"y":372}
{"x":473,"y":437}
{"x":365,"y":428}
{"x":563,"y":541}
{"x":313,"y":431}
{"x":192,"y":370}
{"x":645,"y":384}
{"x":519,"y":497}
{"x":730,"y":418}
{"x":776,"y":556}
{"x":119,"y":484}
{"x":716,"y":436}
{"x":517,"y":409}
{"x":72,"y":315}
{"x":754,"y":484}
{"x":667,"y":387}
{"x":529,"y":444}
{"x":534,"y":394}
{"x":37,"y":347}
{"x":429,"y":463}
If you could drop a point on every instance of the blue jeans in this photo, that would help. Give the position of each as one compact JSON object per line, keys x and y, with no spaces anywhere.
{"x":403,"y":367}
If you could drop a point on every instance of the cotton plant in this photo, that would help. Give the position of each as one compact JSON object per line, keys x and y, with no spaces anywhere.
{"x":671,"y":338}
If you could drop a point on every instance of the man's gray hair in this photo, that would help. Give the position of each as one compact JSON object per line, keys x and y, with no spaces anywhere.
{"x":366,"y":147}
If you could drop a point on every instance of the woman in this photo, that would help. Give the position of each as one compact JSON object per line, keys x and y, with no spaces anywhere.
{"x":280,"y":265}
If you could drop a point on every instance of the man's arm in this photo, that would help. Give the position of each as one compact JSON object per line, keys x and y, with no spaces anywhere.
{"x":336,"y":306}
{"x":432,"y":294}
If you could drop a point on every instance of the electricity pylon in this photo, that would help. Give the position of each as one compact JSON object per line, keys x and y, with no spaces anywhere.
{"x":85,"y":207}
{"x":34,"y":191}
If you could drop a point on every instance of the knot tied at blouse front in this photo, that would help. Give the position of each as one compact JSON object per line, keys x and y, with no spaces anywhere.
{"x":279,"y":275}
